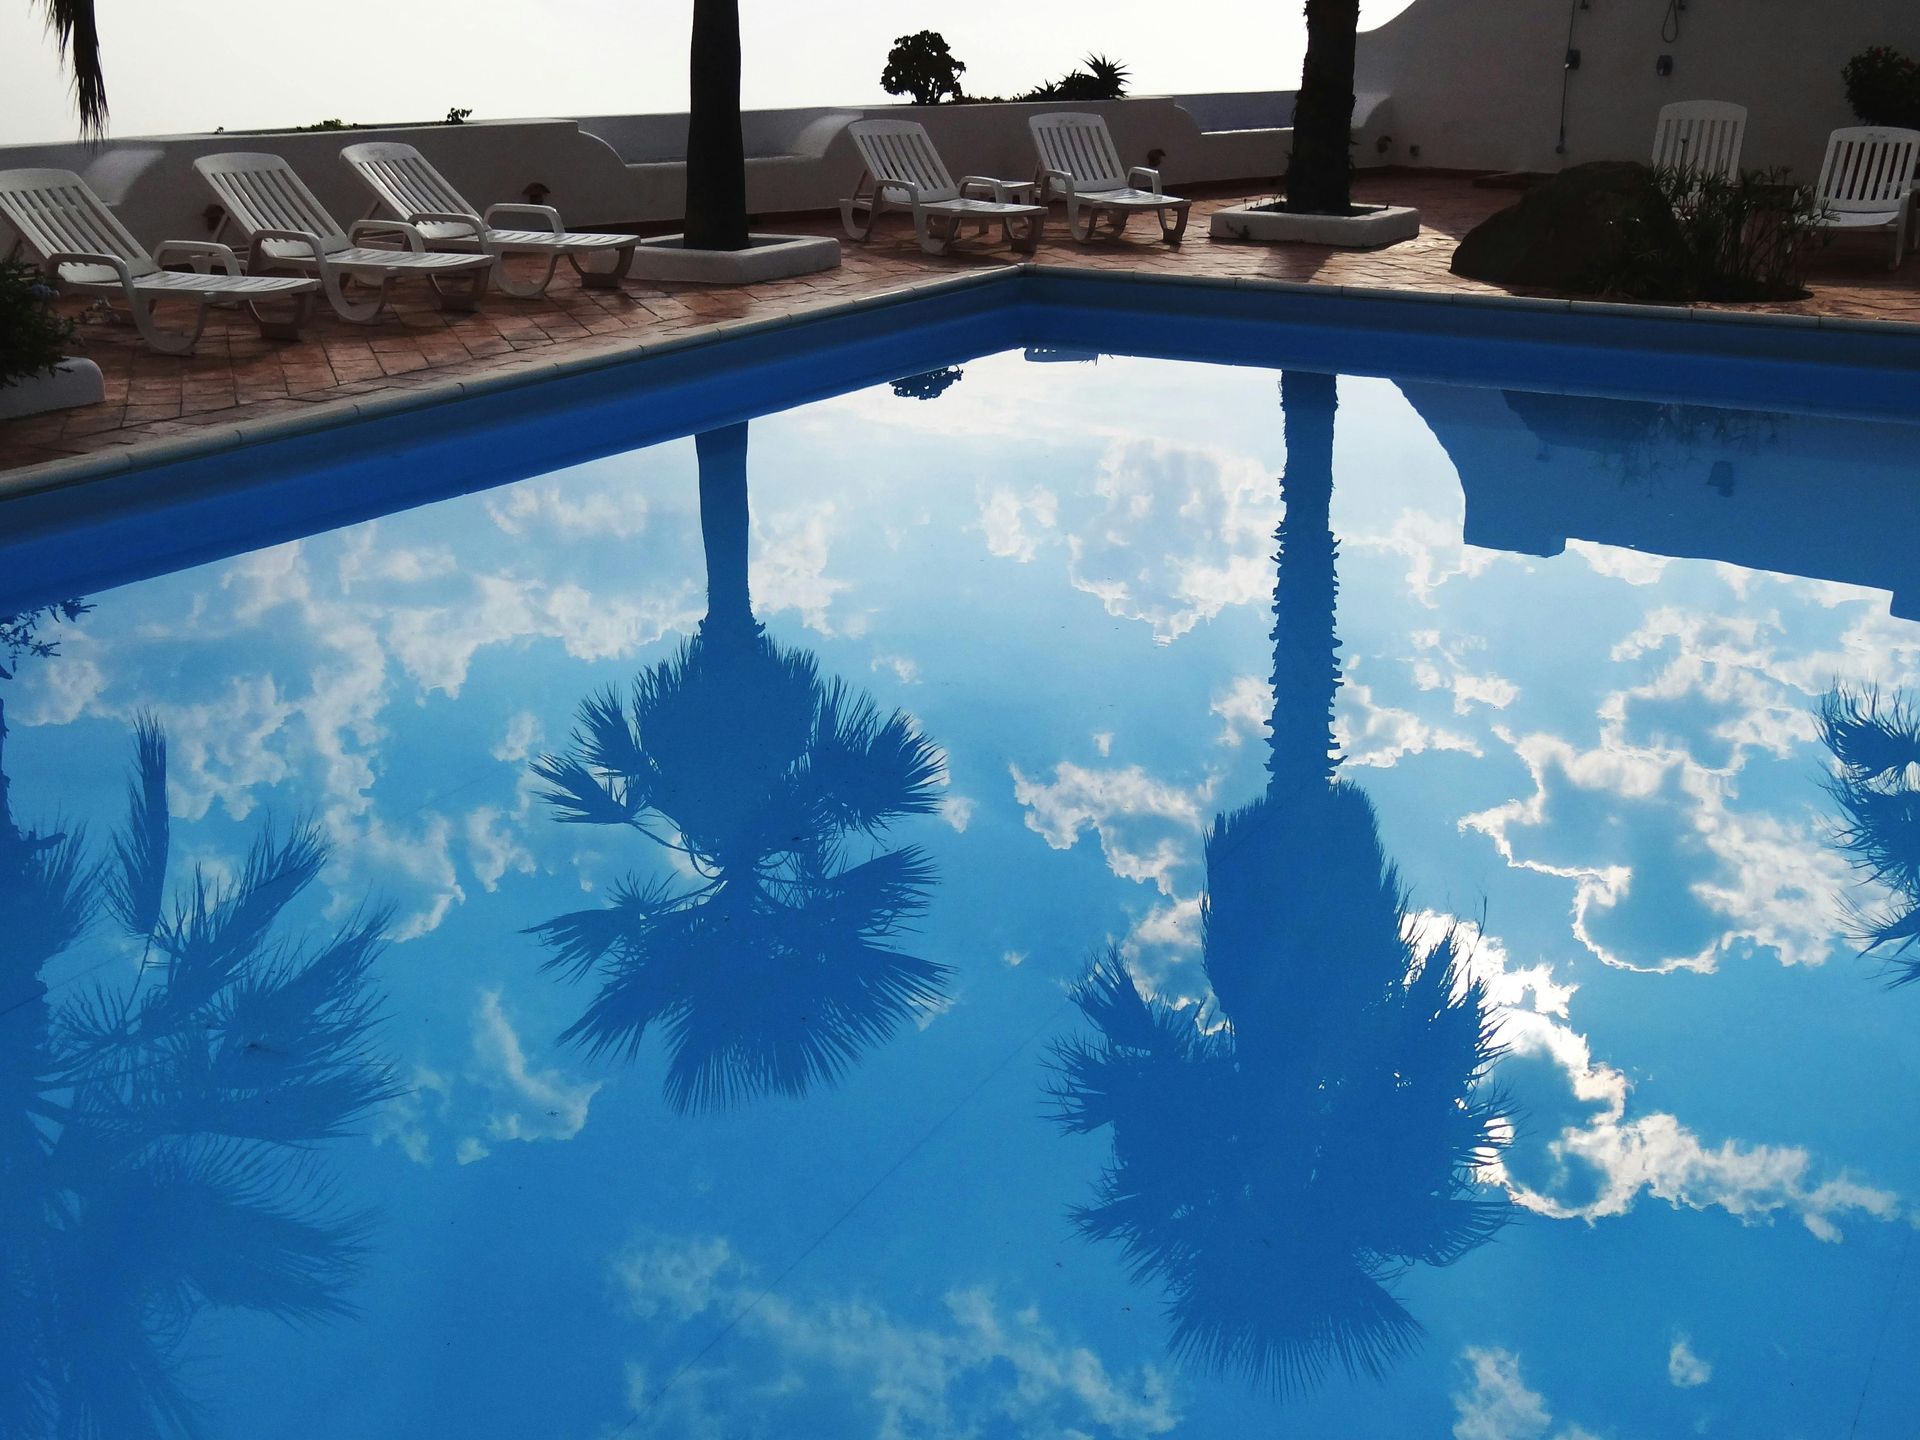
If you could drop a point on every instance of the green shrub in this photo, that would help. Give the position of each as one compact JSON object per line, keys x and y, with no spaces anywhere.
{"x":33,"y":338}
{"x":1883,"y":87}
{"x":1741,"y":239}
{"x":922,"y":66}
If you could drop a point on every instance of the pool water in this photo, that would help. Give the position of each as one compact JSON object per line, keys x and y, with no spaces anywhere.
{"x":902,"y":919}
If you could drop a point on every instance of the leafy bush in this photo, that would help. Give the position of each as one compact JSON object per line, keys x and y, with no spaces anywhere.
{"x":1883,"y":87}
{"x":334,"y":124}
{"x":457,"y":116}
{"x":1742,"y":239}
{"x":1102,"y":79}
{"x":922,"y":66}
{"x":33,"y":338}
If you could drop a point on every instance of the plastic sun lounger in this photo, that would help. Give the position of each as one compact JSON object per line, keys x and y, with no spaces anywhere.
{"x":1079,"y":164}
{"x":288,"y":229}
{"x":404,"y":180}
{"x":1867,"y":182}
{"x":1700,"y":136}
{"x":72,"y":234}
{"x":904,"y":172}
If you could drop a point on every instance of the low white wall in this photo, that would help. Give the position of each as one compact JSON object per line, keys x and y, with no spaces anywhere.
{"x":152,"y":185}
{"x":620,"y":169}
{"x":1476,"y":83}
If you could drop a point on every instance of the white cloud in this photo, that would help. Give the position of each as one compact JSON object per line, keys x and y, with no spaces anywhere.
{"x":1602,"y":1159}
{"x":1184,"y":531}
{"x":618,"y":512}
{"x":1496,"y":1404}
{"x":789,"y":566}
{"x":904,"y":670}
{"x":1125,"y":808}
{"x":1005,"y":519}
{"x":1244,"y":708}
{"x":522,"y":739}
{"x":1636,"y":567}
{"x":1432,"y":548}
{"x":1684,"y":1368}
{"x":525,"y":1103}
{"x":1377,"y":736}
{"x":492,"y":849}
{"x":975,"y":1366}
{"x":957,"y":811}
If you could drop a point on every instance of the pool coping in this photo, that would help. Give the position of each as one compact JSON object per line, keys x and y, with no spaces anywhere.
{"x":514,"y":374}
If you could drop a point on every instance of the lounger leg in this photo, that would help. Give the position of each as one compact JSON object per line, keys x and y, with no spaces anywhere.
{"x":468,"y":291}
{"x":360,"y":312}
{"x":532,"y":289}
{"x":1027,"y":240}
{"x":288,"y":326}
{"x":1172,"y":233}
{"x":925,"y":231}
{"x":164,"y":341}
{"x":1081,"y":231}
{"x":605,"y":279}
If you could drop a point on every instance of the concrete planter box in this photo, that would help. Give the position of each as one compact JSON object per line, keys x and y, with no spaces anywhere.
{"x":1385,"y":225}
{"x":73,"y":382}
{"x":770,"y":257}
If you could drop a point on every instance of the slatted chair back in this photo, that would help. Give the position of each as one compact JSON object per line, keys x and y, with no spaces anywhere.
{"x":405,"y":180}
{"x":1868,"y":170}
{"x":901,"y":151}
{"x":54,"y":212}
{"x":1081,"y":146}
{"x":262,"y":192}
{"x":1701,"y":136}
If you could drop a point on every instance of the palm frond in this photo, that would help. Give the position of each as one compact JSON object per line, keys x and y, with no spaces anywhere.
{"x":579,"y":797}
{"x":136,"y":887}
{"x":74,"y":30}
{"x":215,"y":929}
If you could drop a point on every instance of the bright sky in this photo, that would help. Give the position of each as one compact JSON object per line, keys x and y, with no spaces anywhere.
{"x":174,"y":67}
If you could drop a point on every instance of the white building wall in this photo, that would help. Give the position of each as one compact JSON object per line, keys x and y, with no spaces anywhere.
{"x":1476,"y":84}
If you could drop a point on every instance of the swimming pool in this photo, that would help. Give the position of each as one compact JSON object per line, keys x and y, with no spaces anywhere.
{"x":820,"y":995}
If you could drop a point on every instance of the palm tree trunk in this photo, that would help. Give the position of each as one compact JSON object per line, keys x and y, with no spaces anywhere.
{"x":1306,"y":649}
{"x":723,"y":530}
{"x":716,"y":150}
{"x":1319,"y":177}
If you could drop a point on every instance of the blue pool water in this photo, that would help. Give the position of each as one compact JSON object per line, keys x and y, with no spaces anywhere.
{"x":902,"y":919}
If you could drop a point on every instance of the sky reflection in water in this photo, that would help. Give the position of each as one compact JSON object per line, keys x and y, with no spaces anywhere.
{"x":1501,"y":1066}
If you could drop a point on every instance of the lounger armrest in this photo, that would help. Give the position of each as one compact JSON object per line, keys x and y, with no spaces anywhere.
{"x":407,"y":231}
{"x":202,"y":253}
{"x":1151,"y":175}
{"x":997,"y":188}
{"x":450,"y":217}
{"x":546,"y":212}
{"x":1056,"y":182}
{"x":912,"y":190}
{"x":114,"y":263}
{"x":255,"y":254}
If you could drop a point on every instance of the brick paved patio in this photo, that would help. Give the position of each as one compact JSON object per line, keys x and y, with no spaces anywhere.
{"x":238,"y":376}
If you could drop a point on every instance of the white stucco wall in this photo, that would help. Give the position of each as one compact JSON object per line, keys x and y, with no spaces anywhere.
{"x":1476,"y":83}
{"x":619,"y":169}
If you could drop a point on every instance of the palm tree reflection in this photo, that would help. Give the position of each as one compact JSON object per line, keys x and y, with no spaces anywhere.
{"x":156,"y":1138}
{"x":1277,"y":1166}
{"x":1875,"y":743}
{"x":767,"y":955}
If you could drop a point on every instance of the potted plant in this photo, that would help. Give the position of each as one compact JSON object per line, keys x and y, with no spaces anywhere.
{"x":1318,"y":205}
{"x":714,"y":245}
{"x":36,"y":373}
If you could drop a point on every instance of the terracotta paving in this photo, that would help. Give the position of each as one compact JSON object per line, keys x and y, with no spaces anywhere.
{"x":237,"y":376}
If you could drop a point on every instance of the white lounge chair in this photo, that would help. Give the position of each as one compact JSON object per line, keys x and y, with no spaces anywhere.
{"x":72,"y":234}
{"x":904,"y":172}
{"x":1867,"y":182}
{"x":288,"y":229}
{"x":1700,"y":136}
{"x":404,"y":180}
{"x":1079,"y":164}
